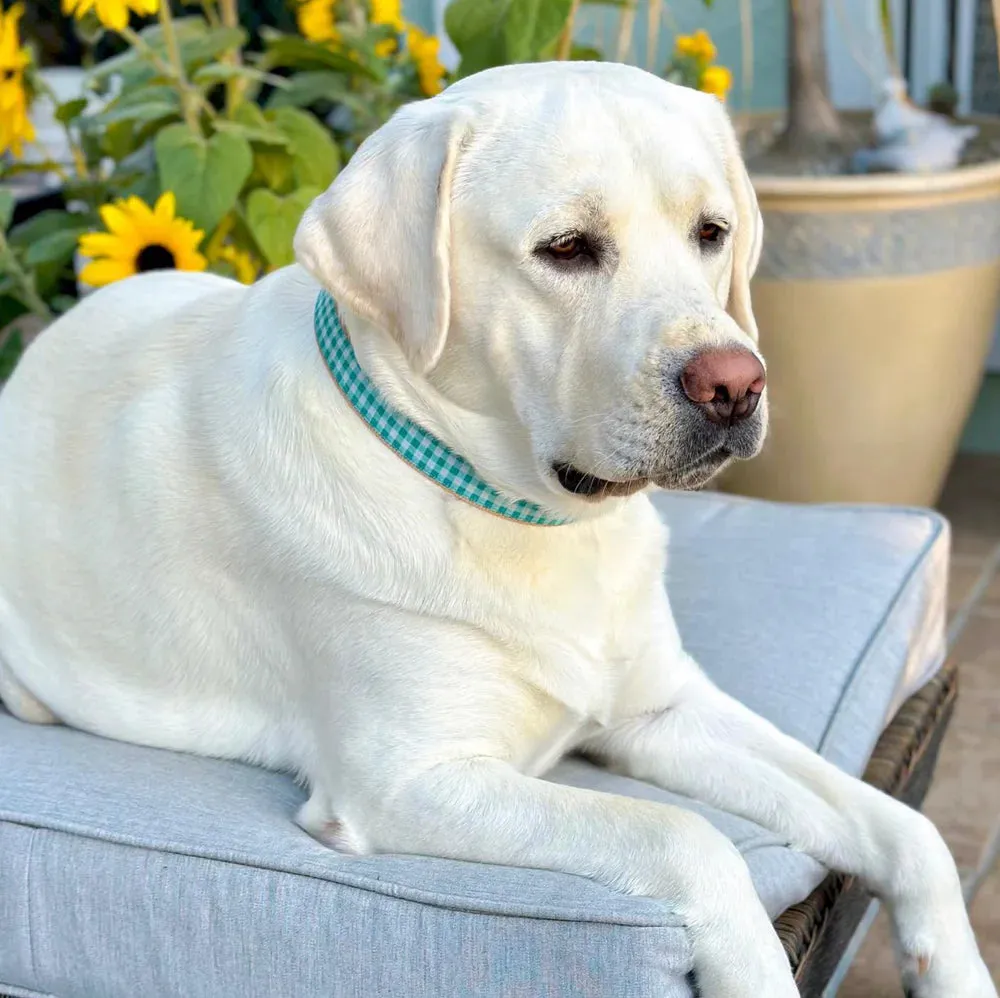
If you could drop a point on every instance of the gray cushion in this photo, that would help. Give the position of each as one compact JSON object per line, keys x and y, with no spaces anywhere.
{"x":127,"y":871}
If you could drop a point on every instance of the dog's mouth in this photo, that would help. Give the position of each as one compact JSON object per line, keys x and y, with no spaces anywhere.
{"x":697,"y":473}
{"x":587,"y":486}
{"x":692,"y":475}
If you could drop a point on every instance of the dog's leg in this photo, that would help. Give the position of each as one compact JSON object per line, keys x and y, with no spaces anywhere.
{"x":483,"y":810}
{"x":712,"y":748}
{"x":20,"y":701}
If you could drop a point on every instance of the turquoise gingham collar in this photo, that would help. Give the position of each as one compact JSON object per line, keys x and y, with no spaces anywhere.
{"x":415,"y":445}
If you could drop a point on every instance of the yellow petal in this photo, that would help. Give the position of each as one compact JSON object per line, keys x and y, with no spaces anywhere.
{"x":190,"y":261}
{"x":101,"y":272}
{"x":141,"y":213}
{"x":95,"y":244}
{"x":166,"y":207}
{"x":116,"y":219}
{"x":112,"y":14}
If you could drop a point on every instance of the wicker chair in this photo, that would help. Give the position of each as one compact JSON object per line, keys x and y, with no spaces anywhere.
{"x":816,"y":932}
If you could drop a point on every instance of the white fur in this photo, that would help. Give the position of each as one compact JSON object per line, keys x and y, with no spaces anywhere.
{"x":204,"y":548}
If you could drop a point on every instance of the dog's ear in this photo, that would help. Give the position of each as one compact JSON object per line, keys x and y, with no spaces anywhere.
{"x":749,"y":234}
{"x":378,"y":238}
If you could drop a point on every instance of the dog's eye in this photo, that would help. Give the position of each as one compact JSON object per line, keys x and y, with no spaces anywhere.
{"x":569,"y":247}
{"x":709,"y":232}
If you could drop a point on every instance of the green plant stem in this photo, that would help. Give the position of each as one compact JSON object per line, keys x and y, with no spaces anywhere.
{"x":208,"y":10}
{"x":189,"y":107}
{"x":626,"y":27}
{"x":79,"y":160}
{"x":355,"y":14}
{"x":888,"y":35}
{"x":10,"y":265}
{"x":235,"y":86}
{"x":654,"y":16}
{"x":566,"y":38}
{"x":166,"y":69}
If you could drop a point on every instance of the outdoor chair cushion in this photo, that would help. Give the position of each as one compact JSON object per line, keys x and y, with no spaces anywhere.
{"x":127,"y":871}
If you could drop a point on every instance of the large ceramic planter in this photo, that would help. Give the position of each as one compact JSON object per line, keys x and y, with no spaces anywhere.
{"x":876,"y":299}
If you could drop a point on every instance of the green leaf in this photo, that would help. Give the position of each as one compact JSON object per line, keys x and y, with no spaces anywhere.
{"x":267,"y":135}
{"x":210,"y":45}
{"x":56,"y":247}
{"x":496,"y":32}
{"x":118,"y":140}
{"x":71,"y":110}
{"x":7,"y":204}
{"x":62,"y":303}
{"x":476,"y":30}
{"x":530,"y":25}
{"x":35,"y":166}
{"x":315,"y":156}
{"x":45,"y":223}
{"x":132,"y":65}
{"x":272,"y":221}
{"x":185,"y":28}
{"x":298,"y":53}
{"x":205,"y":175}
{"x":164,"y":92}
{"x":11,"y":347}
{"x":308,"y":88}
{"x":220,"y":72}
{"x":250,"y":122}
{"x":142,"y":113}
{"x":11,"y":307}
{"x":273,"y":167}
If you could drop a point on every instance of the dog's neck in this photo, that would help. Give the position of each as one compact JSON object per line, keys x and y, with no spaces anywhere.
{"x":499,"y":452}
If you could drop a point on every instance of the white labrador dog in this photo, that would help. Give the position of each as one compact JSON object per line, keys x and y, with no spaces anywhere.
{"x":205,"y":547}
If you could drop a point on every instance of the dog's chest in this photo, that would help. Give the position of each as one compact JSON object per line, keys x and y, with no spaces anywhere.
{"x":570,"y":604}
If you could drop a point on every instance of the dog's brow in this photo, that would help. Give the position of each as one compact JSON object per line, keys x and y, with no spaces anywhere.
{"x":586,"y":212}
{"x":692,"y":197}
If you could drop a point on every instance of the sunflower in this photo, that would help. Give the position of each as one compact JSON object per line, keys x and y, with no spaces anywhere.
{"x":388,"y":13}
{"x":13,"y":56}
{"x":716,"y":80}
{"x":698,"y":46}
{"x":140,"y":238}
{"x":111,"y":13}
{"x":317,"y":21}
{"x":241,"y":262}
{"x":15,"y":127}
{"x":423,"y":49}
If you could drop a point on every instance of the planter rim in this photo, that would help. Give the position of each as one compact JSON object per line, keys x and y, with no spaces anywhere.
{"x":881,"y":184}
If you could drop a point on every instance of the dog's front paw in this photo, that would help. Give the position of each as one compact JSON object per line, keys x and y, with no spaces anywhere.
{"x":945,"y":963}
{"x":947,"y":975}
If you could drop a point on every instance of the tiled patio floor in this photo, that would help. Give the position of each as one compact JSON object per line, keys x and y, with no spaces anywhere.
{"x":964,"y":800}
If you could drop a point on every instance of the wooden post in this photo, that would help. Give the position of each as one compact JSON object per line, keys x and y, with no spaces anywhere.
{"x":812,"y":118}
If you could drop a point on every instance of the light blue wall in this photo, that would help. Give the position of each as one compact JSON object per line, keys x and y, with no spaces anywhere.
{"x":420,"y":12}
{"x":597,"y":25}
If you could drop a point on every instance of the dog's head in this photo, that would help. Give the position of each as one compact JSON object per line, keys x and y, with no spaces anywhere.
{"x":569,"y":247}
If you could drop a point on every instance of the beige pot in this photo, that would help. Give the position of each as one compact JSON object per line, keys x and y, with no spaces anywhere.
{"x":876,"y":299}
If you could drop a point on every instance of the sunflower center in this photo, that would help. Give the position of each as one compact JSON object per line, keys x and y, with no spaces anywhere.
{"x":155,"y":257}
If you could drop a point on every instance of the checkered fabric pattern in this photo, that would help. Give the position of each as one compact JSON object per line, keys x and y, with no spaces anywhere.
{"x":420,"y":449}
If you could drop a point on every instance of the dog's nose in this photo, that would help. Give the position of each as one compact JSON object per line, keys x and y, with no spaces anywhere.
{"x":725,"y":383}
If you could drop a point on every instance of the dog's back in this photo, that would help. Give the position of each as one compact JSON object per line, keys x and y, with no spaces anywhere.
{"x":85,"y":428}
